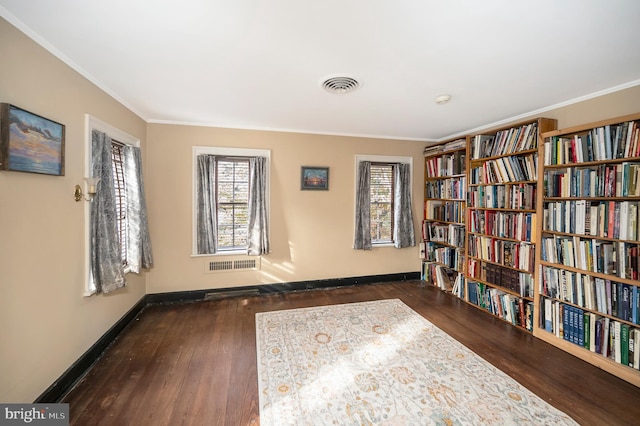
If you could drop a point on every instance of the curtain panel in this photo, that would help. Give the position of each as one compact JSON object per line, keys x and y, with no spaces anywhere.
{"x":362,"y":238}
{"x":106,"y":260}
{"x":403,"y":231}
{"x":206,"y":226}
{"x":258,"y":235}
{"x":139,"y":253}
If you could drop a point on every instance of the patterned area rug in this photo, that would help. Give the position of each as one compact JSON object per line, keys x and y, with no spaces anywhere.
{"x":381,"y":363}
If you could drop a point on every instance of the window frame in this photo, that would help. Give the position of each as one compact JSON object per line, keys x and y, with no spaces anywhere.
{"x":233,"y":204}
{"x":387,"y":159}
{"x":92,"y":123}
{"x":222,"y":152}
{"x":392,"y":166}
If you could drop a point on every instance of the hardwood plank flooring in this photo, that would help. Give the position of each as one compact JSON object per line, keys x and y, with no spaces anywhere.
{"x":195,"y":363}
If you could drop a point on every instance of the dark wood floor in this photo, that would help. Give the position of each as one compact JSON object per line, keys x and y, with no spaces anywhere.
{"x":195,"y":363}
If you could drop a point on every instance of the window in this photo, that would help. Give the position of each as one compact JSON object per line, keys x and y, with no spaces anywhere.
{"x":225,"y":180}
{"x":232,"y":194}
{"x":381,"y":199}
{"x":120,"y":188}
{"x":383,"y":212}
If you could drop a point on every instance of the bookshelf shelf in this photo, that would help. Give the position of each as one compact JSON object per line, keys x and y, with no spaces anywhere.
{"x":534,"y":182}
{"x":431,"y":178}
{"x":588,"y":297}
{"x":443,"y":228}
{"x":498,"y":237}
{"x":595,"y":237}
{"x":509,"y":154}
{"x":503,"y":209}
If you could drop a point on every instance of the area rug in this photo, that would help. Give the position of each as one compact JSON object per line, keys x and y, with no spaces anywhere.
{"x":381,"y":363}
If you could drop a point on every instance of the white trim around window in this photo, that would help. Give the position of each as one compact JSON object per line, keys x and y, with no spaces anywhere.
{"x":378,"y":159}
{"x":221,"y":151}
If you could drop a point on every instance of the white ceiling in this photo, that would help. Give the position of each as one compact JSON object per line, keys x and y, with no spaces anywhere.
{"x":258,"y":64}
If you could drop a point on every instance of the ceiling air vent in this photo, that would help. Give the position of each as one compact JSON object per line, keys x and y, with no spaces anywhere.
{"x":340,"y":84}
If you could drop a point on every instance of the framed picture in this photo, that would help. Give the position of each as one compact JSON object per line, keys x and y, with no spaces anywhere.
{"x":314,"y":178}
{"x":30,"y":143}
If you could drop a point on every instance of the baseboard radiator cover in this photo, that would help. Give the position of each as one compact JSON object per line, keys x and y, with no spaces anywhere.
{"x":234,"y":264}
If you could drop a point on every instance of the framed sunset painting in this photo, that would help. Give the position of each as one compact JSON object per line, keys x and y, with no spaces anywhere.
{"x":30,"y":143}
{"x":314,"y":178}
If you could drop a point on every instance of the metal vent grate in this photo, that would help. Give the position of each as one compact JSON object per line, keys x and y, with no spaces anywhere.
{"x":245,"y":264}
{"x":340,"y":84}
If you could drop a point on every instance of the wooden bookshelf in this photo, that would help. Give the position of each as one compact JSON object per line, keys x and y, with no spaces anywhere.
{"x":443,"y":226}
{"x":502,"y":220}
{"x":588,"y":295}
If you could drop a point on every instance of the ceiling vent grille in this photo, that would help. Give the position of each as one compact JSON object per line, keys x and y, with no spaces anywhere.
{"x":340,"y":84}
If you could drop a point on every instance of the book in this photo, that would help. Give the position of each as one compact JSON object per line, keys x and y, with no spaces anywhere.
{"x":624,"y":344}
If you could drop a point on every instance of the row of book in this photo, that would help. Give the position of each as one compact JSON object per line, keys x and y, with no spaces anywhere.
{"x":613,"y":339}
{"x":515,"y":281}
{"x":602,"y":143}
{"x":452,"y":188}
{"x":515,"y":168}
{"x":446,"y":147}
{"x":444,"y":211}
{"x":519,"y":196}
{"x":452,"y":234}
{"x":515,"y":225}
{"x":590,"y":254}
{"x":439,"y":276}
{"x":604,"y":180}
{"x":608,"y":297}
{"x":607,"y":219}
{"x":520,"y":255}
{"x":511,"y":308}
{"x":446,"y":165}
{"x":507,"y":141}
{"x":448,"y":256}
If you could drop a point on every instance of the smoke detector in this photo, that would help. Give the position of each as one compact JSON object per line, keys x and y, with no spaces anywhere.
{"x":443,"y":99}
{"x":340,"y":84}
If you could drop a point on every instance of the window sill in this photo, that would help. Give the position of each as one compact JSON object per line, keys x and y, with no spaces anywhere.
{"x":384,"y":244}
{"x":223,"y":253}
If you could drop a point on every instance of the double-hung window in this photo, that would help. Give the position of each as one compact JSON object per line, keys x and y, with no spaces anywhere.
{"x":383,"y":202}
{"x":232,"y":194}
{"x":381,"y":198}
{"x":230,"y":201}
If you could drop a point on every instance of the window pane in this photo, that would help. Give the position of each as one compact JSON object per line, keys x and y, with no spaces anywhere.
{"x":225,"y":192}
{"x":381,"y":193}
{"x":241,"y":192}
{"x":119,"y":183}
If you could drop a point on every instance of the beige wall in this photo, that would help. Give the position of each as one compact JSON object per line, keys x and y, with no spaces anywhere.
{"x":45,"y":322}
{"x":613,"y":105}
{"x":311,"y":231}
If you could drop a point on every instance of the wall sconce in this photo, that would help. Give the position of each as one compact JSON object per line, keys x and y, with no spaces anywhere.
{"x":92,"y":189}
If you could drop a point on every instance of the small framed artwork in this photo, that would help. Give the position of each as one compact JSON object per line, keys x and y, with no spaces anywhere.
{"x":30,"y":143}
{"x":314,"y":178}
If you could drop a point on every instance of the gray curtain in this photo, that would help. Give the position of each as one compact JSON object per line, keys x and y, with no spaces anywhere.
{"x":258,"y":235}
{"x":106,"y":260}
{"x":403,"y":233}
{"x":139,"y":242}
{"x":207,"y":228}
{"x":362,"y":239}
